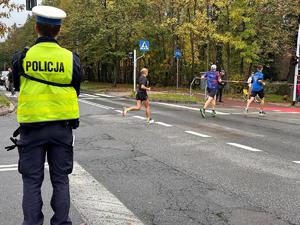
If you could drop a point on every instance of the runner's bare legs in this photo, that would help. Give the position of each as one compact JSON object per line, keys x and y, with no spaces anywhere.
{"x":147,"y":106}
{"x":262,"y":103}
{"x":210,"y":100}
{"x":133,"y":108}
{"x":249,"y":102}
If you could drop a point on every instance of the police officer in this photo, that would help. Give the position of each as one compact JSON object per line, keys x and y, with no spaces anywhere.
{"x":48,"y":78}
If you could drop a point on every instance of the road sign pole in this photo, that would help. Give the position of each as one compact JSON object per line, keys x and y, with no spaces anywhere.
{"x":134,"y":70}
{"x":177,"y":83}
{"x":296,"y":68}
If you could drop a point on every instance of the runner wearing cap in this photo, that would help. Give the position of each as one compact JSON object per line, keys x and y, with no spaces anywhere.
{"x":213,"y":79}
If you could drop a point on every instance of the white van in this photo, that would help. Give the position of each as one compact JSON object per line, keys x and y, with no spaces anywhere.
{"x":4,"y":79}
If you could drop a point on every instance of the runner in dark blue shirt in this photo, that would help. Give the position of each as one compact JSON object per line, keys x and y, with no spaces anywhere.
{"x":257,"y":90}
{"x":213,"y":79}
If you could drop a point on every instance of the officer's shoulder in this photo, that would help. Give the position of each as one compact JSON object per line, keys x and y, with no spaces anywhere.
{"x":76,"y":54}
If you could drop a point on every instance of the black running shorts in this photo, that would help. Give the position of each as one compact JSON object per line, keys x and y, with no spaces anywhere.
{"x":261,"y":94}
{"x":212,"y":92}
{"x":142,"y":96}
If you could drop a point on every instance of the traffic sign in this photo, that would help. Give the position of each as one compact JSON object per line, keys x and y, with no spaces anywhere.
{"x":178,"y":53}
{"x":144,"y":45}
{"x":130,"y":55}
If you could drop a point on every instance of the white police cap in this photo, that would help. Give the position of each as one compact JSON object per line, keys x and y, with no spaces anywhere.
{"x":48,"y":14}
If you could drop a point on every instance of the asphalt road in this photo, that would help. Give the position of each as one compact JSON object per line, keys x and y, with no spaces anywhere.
{"x":185,"y":170}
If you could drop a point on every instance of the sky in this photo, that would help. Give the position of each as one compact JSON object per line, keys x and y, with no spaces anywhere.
{"x":17,"y":17}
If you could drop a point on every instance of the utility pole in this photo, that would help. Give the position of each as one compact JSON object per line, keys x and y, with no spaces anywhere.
{"x":30,"y":4}
{"x":177,"y":80}
{"x":296,"y":68}
{"x":135,"y":61}
{"x":134,"y":70}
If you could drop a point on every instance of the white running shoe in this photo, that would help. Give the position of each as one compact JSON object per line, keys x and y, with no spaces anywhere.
{"x":150,"y":120}
{"x":124,"y":111}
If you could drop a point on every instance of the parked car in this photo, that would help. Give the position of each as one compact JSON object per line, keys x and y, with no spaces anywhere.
{"x":4,"y":79}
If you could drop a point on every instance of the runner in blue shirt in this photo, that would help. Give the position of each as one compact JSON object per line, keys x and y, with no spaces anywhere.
{"x":213,"y":79}
{"x":257,"y":89}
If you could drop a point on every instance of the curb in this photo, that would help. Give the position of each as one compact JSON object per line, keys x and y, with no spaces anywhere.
{"x":6,"y":110}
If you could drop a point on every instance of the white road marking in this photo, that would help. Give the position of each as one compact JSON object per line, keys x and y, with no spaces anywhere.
{"x":197,"y":134}
{"x":89,"y":98}
{"x":9,"y":169}
{"x":298,"y":162}
{"x":286,"y":112}
{"x":119,"y":111}
{"x":164,"y":124}
{"x":95,"y":203}
{"x":140,"y":117}
{"x":242,"y":113}
{"x":186,"y":107}
{"x":95,"y":104}
{"x":87,"y":95}
{"x":14,"y":167}
{"x":8,"y":166}
{"x":245,"y":147}
{"x":104,"y":95}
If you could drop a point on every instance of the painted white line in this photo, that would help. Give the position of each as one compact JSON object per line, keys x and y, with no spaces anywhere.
{"x":186,"y":107}
{"x":286,"y":112}
{"x":104,"y":95}
{"x":140,"y":117}
{"x":89,"y":98}
{"x":164,"y":124}
{"x":245,"y":147}
{"x":8,"y":166}
{"x":87,"y":95}
{"x":9,"y":169}
{"x":242,"y":113}
{"x":14,"y":167}
{"x":197,"y":134}
{"x":95,"y":203}
{"x":119,"y":111}
{"x":298,"y":162}
{"x":95,"y":104}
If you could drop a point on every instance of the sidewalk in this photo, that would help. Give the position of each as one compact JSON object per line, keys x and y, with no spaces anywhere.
{"x":282,"y":107}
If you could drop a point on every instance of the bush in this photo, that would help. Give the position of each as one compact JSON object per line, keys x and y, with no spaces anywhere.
{"x":235,"y":88}
{"x":278,"y":88}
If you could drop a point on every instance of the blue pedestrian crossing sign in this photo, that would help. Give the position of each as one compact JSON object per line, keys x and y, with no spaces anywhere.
{"x":144,"y":45}
{"x":178,"y":53}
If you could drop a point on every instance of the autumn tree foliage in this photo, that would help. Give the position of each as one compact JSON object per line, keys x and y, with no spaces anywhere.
{"x":234,"y":34}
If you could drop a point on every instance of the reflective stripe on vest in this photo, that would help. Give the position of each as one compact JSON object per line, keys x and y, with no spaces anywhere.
{"x":40,"y":102}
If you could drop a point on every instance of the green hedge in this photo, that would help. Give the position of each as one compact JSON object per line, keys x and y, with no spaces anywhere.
{"x":278,"y":88}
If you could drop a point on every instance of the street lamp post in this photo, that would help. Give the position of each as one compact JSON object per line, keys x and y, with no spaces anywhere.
{"x":296,"y":68}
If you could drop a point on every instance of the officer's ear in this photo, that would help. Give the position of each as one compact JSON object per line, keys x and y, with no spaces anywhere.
{"x":36,"y":29}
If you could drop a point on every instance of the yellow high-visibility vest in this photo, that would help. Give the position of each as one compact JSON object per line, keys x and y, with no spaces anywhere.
{"x":40,"y":102}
